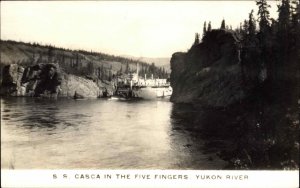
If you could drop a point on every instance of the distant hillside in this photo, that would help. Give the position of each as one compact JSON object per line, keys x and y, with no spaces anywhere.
{"x":77,"y":62}
{"x":163,"y":62}
{"x":160,"y":62}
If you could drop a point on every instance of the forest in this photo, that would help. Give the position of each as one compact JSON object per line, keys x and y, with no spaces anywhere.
{"x":262,"y":119}
{"x":273,"y":43}
{"x":92,"y":65}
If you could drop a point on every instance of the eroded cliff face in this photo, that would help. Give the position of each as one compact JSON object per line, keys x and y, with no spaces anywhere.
{"x":258,"y":112}
{"x":84,"y":87}
{"x":45,"y":80}
{"x":209,"y":73}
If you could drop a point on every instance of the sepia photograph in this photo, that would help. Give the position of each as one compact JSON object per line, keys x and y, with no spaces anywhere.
{"x":150,"y":85}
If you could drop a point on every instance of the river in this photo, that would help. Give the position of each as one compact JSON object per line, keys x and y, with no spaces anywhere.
{"x":101,"y":134}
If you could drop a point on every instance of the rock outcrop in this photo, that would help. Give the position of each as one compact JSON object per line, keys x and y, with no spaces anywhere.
{"x":45,"y":80}
{"x":83,"y":87}
{"x":12,"y":78}
{"x":209,"y":73}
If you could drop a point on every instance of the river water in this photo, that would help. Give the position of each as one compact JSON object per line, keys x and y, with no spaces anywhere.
{"x":101,"y":134}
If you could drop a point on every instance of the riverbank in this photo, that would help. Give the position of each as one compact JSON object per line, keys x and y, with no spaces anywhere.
{"x":48,"y":80}
{"x":252,"y":109}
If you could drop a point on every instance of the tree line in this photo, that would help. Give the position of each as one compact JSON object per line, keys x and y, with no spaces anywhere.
{"x":94,"y":65}
{"x":269,"y":50}
{"x":272,"y":47}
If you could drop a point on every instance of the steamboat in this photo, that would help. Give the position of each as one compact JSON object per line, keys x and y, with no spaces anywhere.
{"x":135,"y":87}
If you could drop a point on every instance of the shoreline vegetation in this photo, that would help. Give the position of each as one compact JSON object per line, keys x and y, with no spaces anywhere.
{"x":247,"y":79}
{"x":242,"y":84}
{"x":26,"y":70}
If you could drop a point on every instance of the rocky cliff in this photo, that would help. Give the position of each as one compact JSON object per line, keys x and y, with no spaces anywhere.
{"x":24,"y":70}
{"x":45,"y":80}
{"x":209,"y":73}
{"x":258,"y":114}
{"x":95,"y":65}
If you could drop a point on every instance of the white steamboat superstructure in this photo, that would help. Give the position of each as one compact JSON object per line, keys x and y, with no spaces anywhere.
{"x":134,"y":86}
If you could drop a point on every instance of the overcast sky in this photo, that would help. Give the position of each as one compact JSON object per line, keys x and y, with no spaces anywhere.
{"x":148,"y":29}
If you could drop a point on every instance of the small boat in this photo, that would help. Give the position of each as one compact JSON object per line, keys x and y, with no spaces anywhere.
{"x":114,"y":98}
{"x":120,"y":98}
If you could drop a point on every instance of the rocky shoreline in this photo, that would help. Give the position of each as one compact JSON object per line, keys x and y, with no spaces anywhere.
{"x":256,"y":114}
{"x":46,"y":80}
{"x":209,"y":72}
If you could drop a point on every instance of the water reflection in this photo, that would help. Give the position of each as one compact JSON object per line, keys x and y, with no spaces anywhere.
{"x":101,"y":134}
{"x":188,"y":133}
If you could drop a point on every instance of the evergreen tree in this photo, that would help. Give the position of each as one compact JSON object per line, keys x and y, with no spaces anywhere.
{"x":127,"y":69}
{"x":90,"y":67}
{"x":223,"y":24}
{"x":263,"y":15}
{"x":109,"y":75}
{"x":204,"y":29}
{"x":77,"y":60}
{"x":245,"y":28}
{"x":152,"y":68}
{"x":251,"y":24}
{"x":295,"y":11}
{"x":99,"y":72}
{"x":63,"y":59}
{"x":50,"y":54}
{"x":163,"y":73}
{"x":284,"y":34}
{"x":40,"y":59}
{"x":102,"y":72}
{"x":209,"y":26}
{"x":196,"y":39}
{"x":284,"y":15}
{"x":120,"y":71}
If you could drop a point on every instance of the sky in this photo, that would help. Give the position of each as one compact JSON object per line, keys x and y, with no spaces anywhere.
{"x":135,"y":28}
